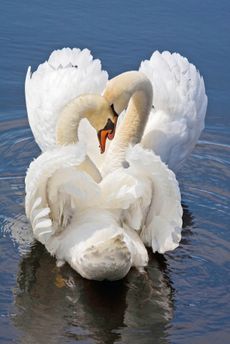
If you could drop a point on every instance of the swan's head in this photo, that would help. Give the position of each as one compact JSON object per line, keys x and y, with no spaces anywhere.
{"x":96,"y":109}
{"x":117,"y":95}
{"x":104,"y":119}
{"x":120,"y":89}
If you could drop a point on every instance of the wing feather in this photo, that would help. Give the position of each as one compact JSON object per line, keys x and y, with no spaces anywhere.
{"x":148,"y":195}
{"x":56,"y":189}
{"x":179,"y":107}
{"x":67,"y":74}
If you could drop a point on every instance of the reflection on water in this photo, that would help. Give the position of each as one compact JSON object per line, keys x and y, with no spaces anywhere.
{"x":55,"y":303}
{"x":57,"y":300}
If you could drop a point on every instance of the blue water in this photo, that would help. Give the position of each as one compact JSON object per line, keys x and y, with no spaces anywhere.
{"x":185,"y":296}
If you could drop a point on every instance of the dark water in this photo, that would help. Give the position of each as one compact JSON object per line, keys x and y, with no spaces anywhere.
{"x":184,"y":297}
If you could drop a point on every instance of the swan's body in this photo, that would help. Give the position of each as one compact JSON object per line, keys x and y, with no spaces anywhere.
{"x":90,"y":237}
{"x":63,"y":198}
{"x":138,"y":197}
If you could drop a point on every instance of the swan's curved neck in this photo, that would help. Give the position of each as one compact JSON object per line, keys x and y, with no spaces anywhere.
{"x":135,"y":90}
{"x":85,"y":106}
{"x":69,"y":119}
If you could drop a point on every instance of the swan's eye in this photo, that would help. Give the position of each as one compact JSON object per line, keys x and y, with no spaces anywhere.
{"x":109,"y":125}
{"x":114,"y":111}
{"x":112,"y":123}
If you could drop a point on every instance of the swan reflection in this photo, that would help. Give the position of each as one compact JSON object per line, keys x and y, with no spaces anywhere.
{"x":56,"y":304}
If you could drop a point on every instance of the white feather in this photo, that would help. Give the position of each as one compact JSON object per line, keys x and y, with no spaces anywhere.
{"x":69,"y":216}
{"x":148,"y":194}
{"x":180,"y":104}
{"x":177,"y":118}
{"x":101,"y":229}
{"x":67,"y":74}
{"x":63,"y":203}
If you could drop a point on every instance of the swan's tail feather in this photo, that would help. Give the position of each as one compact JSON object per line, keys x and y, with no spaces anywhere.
{"x":40,"y":221}
{"x":112,"y":258}
{"x":109,"y":260}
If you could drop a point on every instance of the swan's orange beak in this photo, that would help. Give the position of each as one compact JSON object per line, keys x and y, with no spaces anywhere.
{"x":107,"y":132}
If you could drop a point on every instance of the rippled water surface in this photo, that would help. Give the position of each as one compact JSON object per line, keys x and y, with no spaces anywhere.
{"x":184,"y":297}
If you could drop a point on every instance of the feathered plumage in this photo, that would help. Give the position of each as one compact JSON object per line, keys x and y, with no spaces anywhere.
{"x":100,"y":228}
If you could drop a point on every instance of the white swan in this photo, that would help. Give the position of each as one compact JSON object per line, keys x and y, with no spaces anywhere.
{"x":172,"y":130}
{"x":178,"y":109}
{"x":106,"y":243}
{"x":66,"y":208}
{"x":64,"y":202}
{"x":155,"y":211}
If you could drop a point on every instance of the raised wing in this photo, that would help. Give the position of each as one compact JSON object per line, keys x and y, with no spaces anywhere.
{"x":65,"y":75}
{"x":179,"y":107}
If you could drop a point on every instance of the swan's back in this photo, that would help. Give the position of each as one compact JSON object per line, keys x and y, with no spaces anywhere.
{"x":179,"y":107}
{"x":65,"y":75}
